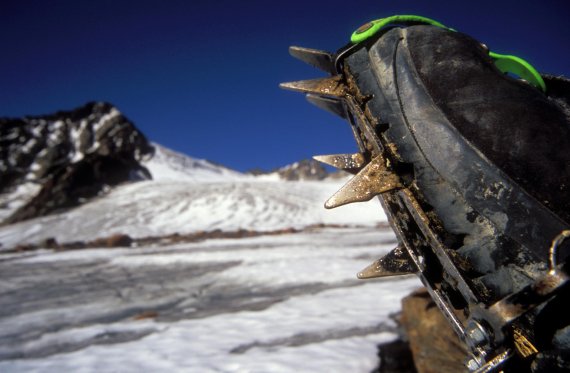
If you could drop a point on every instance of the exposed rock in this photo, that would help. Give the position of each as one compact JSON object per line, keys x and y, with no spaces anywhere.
{"x":257,"y":172}
{"x":116,"y":240}
{"x":146,"y":315}
{"x":435,"y":346}
{"x":50,"y":243}
{"x":124,"y":240}
{"x":307,"y":169}
{"x":57,"y":161}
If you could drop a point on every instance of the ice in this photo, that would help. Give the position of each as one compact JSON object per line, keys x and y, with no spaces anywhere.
{"x":315,"y":318}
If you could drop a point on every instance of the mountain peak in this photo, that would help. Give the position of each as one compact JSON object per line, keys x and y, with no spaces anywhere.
{"x":56,"y":161}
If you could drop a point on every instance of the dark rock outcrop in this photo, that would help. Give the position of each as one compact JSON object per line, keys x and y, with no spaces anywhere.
{"x":53,"y":162}
{"x":307,"y":169}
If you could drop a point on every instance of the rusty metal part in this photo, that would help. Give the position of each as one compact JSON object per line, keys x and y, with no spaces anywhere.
{"x":509,"y":309}
{"x":368,"y":141}
{"x":416,"y":245}
{"x":320,"y":59}
{"x":373,"y":180}
{"x":491,"y":332}
{"x":470,"y":332}
{"x":331,"y":86}
{"x":352,"y":163}
{"x":523,"y":346}
{"x":396,"y":263}
{"x":493,"y":365}
{"x":365,"y":186}
{"x":364,"y":125}
{"x":332,"y":105}
{"x":553,"y":251}
{"x":438,"y":247}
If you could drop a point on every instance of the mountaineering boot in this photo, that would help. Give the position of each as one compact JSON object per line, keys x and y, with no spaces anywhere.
{"x":472,"y":166}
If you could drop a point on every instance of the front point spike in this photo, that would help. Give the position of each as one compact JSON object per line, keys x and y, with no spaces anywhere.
{"x":320,"y":59}
{"x":331,"y":86}
{"x":374,"y":179}
{"x":332,"y":105}
{"x":352,"y":163}
{"x":396,"y":263}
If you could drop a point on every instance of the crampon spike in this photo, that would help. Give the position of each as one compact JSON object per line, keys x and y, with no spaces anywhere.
{"x":332,"y":105}
{"x":396,"y":263}
{"x":320,"y":59}
{"x":352,"y":163}
{"x":332,"y":86}
{"x":374,"y":179}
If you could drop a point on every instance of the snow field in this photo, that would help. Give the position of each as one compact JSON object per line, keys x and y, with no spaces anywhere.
{"x":265,"y":304}
{"x":156,"y":208}
{"x":336,"y":328}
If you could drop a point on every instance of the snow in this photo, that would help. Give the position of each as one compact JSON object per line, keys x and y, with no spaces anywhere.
{"x":155,"y":208}
{"x":27,"y":147}
{"x":10,"y":202}
{"x":335,"y":328}
{"x":105,"y":120}
{"x":168,"y":165}
{"x":188,"y":195}
{"x":271,"y":303}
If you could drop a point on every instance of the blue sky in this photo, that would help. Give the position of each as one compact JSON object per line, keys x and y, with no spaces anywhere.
{"x":201,"y":77}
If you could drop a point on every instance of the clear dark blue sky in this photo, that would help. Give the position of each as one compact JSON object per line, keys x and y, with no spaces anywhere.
{"x":202,"y":77}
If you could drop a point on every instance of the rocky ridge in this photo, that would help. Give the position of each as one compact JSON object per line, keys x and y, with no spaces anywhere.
{"x":306,"y":169}
{"x":52,"y":162}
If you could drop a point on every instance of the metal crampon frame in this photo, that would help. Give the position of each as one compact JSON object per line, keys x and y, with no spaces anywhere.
{"x":497,"y":334}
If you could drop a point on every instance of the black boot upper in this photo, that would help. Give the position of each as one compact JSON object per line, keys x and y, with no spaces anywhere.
{"x":523,"y":131}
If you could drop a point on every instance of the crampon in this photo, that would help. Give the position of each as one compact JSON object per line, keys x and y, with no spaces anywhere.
{"x":468,"y":152}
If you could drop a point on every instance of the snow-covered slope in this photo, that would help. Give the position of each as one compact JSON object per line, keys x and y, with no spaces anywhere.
{"x":169,"y":165}
{"x":285,"y":303}
{"x":152,"y":208}
{"x":188,"y":195}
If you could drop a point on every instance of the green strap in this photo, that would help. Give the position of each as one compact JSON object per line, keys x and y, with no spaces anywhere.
{"x":505,"y":63}
{"x":518,"y":66}
{"x":369,"y":29}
